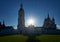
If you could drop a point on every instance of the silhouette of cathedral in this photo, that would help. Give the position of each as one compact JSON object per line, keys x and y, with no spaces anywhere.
{"x":5,"y":30}
{"x":48,"y":25}
{"x":3,"y":26}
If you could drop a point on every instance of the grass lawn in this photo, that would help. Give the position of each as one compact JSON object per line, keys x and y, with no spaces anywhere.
{"x":13,"y":38}
{"x":22,"y":38}
{"x":49,"y":38}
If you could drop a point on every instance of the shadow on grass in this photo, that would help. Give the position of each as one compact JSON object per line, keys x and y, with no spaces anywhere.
{"x":32,"y":39}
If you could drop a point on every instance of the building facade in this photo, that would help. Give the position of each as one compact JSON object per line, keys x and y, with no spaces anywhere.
{"x":49,"y":25}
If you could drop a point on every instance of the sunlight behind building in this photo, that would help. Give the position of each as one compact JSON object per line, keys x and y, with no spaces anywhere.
{"x":30,"y":22}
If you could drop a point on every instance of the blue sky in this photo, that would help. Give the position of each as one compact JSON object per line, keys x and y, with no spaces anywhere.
{"x":36,"y":9}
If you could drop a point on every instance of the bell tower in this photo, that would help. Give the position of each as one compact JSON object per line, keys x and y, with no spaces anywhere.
{"x":21,"y":20}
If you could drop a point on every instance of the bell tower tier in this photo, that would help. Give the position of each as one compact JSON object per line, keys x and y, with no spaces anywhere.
{"x":21,"y":20}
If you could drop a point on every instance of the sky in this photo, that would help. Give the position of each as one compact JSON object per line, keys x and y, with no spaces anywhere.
{"x":35,"y":9}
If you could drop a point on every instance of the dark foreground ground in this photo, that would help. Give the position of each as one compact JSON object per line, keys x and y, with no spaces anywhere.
{"x":22,"y":38}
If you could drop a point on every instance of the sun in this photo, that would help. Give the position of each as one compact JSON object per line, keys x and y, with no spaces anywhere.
{"x":31,"y":22}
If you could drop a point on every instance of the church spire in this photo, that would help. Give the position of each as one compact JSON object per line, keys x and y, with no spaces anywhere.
{"x":21,"y":5}
{"x":48,"y":17}
{"x":3,"y":24}
{"x":53,"y":19}
{"x":0,"y":23}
